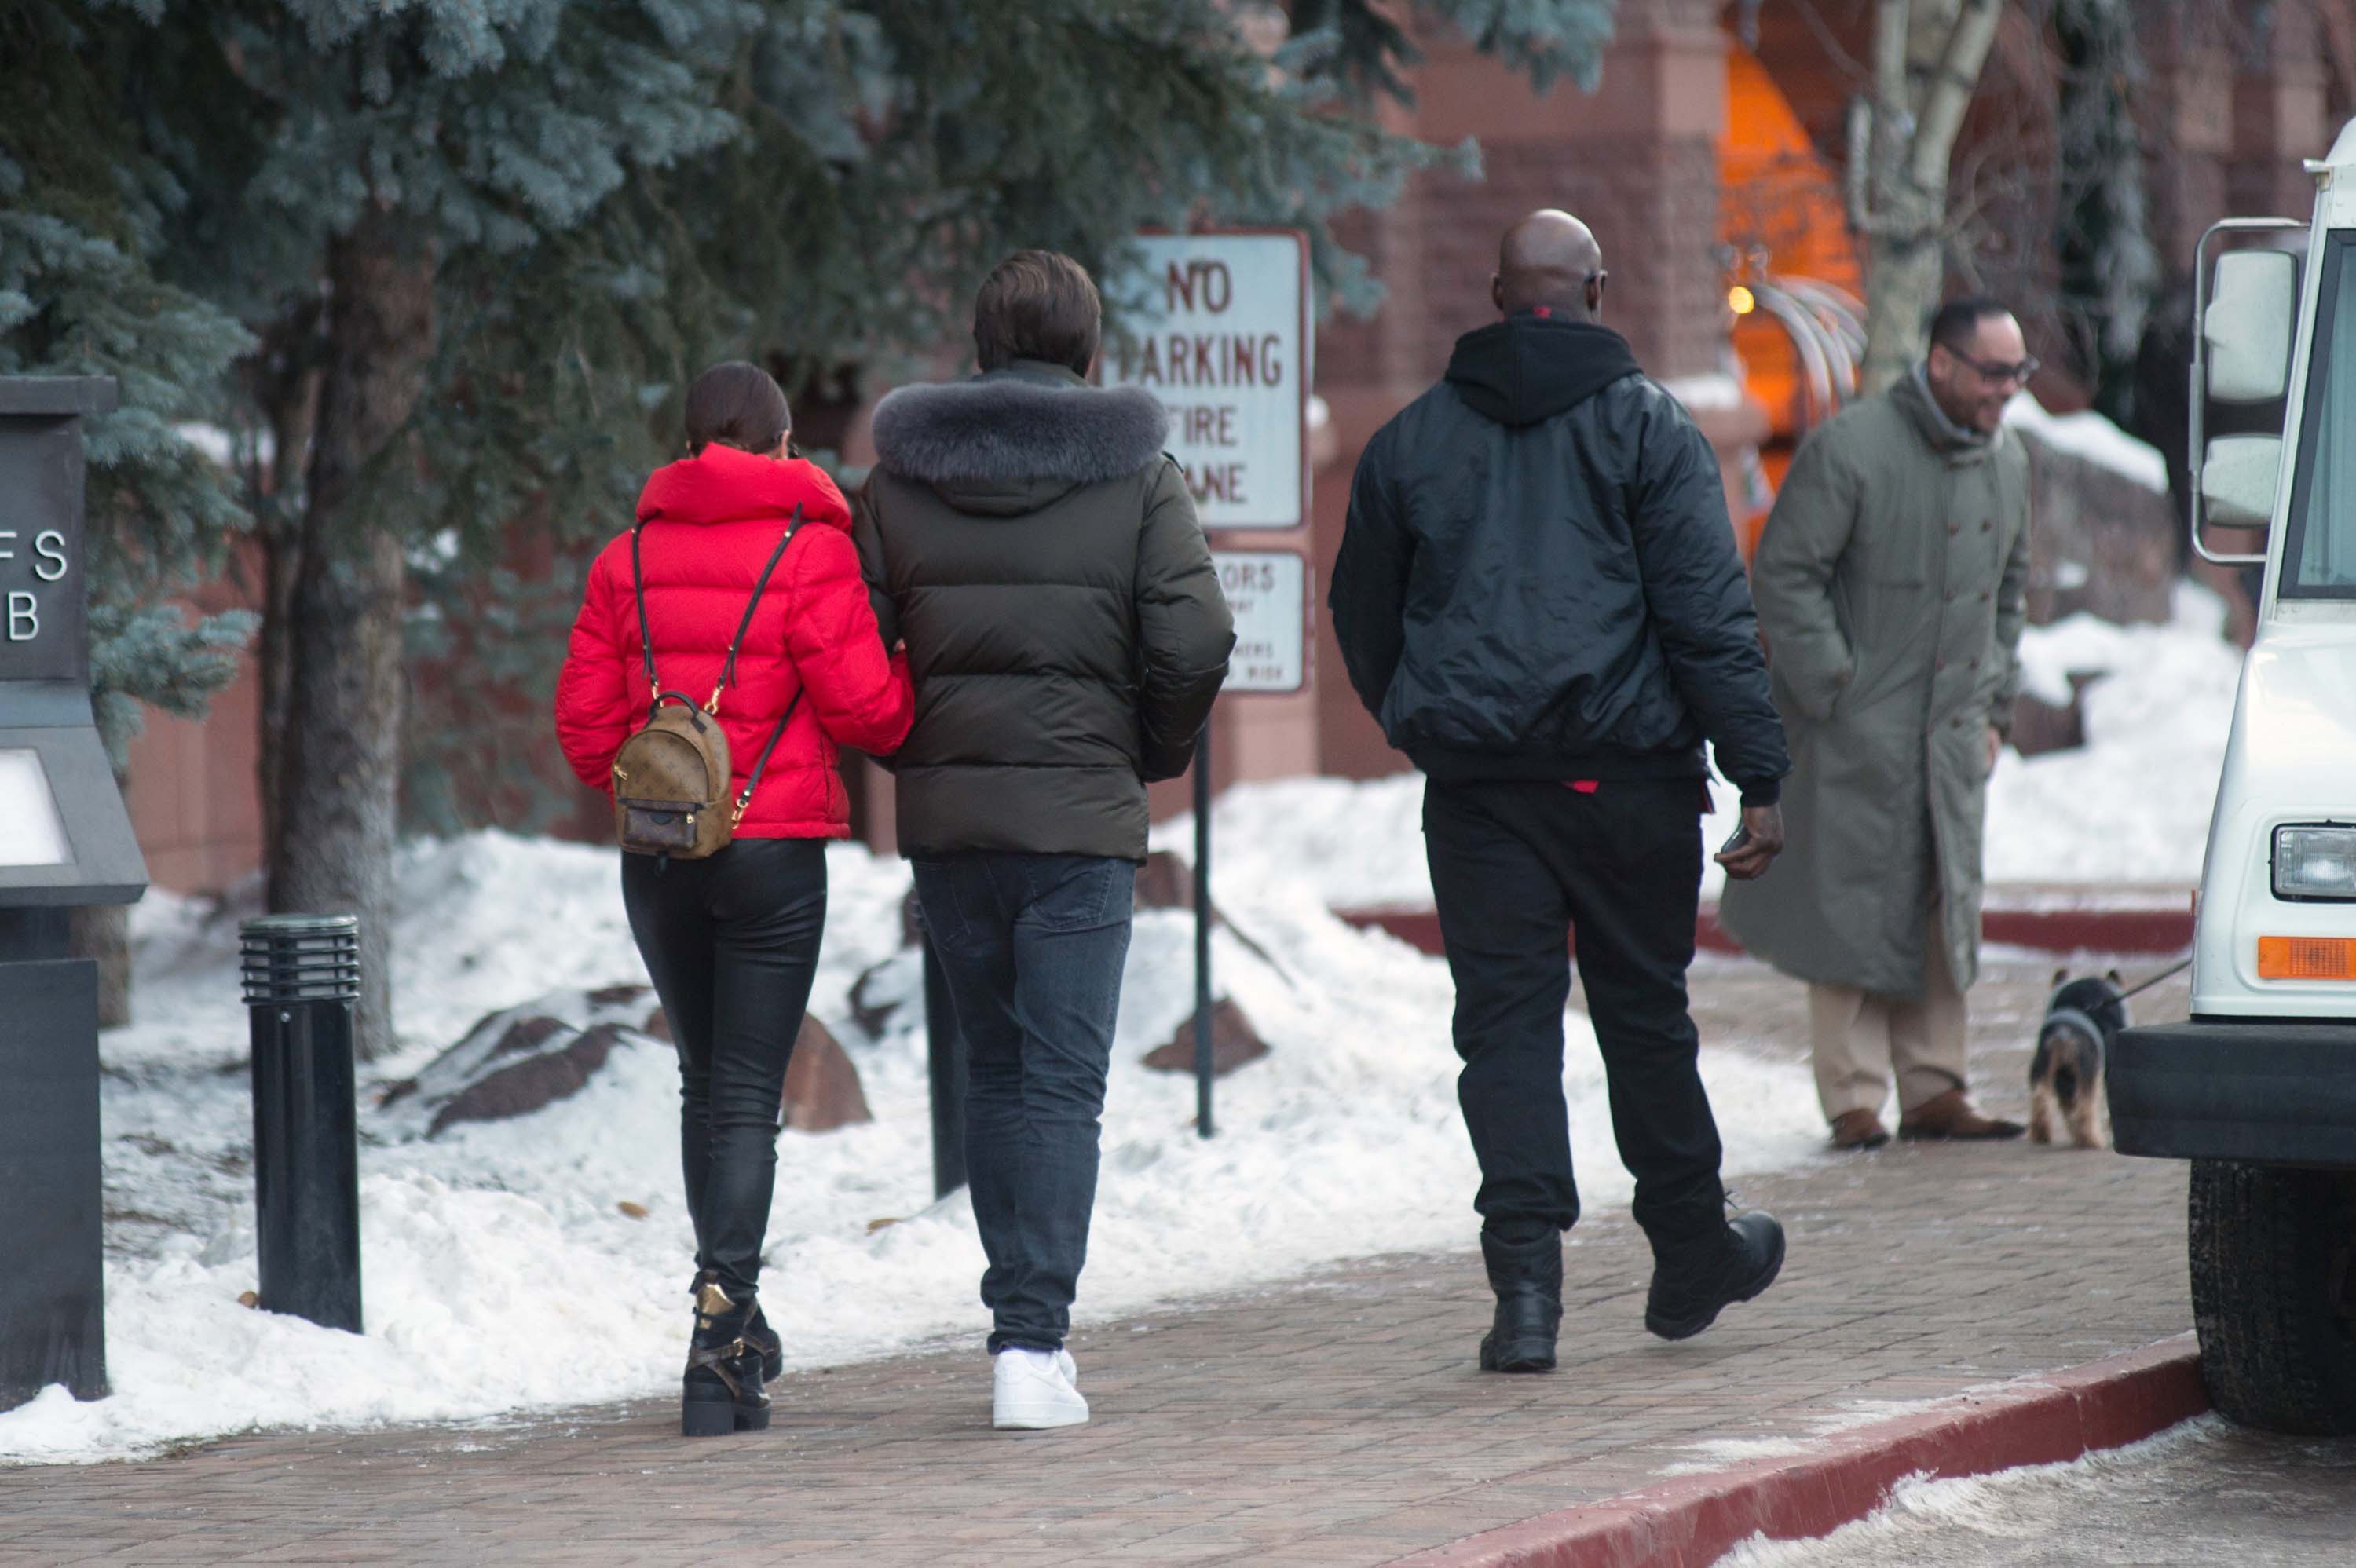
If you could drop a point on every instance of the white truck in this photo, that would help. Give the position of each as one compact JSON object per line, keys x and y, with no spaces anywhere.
{"x":2258,"y":1088}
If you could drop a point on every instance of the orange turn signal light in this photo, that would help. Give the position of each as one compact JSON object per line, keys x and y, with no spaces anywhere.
{"x":2306,"y":957}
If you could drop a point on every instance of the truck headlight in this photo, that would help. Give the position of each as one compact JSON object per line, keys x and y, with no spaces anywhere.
{"x":2315,"y":862}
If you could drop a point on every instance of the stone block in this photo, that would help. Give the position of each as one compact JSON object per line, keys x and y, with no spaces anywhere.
{"x":509,"y":1064}
{"x":822,"y":1089}
{"x":1233,"y":1042}
{"x":2100,"y":541}
{"x":1165,"y":881}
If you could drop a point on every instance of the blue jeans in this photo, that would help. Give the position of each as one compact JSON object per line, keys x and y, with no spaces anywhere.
{"x":1033,"y":947}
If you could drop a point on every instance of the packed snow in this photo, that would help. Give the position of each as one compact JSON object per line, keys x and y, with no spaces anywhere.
{"x":2089,"y":435}
{"x":2128,"y":809}
{"x":2132,"y":806}
{"x":501,"y":1275}
{"x":2011,"y":1516}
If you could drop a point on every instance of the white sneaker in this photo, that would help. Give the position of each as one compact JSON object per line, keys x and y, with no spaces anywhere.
{"x":1071,"y":1369}
{"x":1031,"y":1391}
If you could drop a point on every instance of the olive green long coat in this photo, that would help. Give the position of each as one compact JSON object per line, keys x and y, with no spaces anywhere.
{"x":1892,"y":583}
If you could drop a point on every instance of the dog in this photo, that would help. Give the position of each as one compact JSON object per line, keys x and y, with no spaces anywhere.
{"x":2065,"y":1079}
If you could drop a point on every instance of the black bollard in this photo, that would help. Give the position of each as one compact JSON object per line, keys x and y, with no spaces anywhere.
{"x":301,"y":982}
{"x":945,"y":1068}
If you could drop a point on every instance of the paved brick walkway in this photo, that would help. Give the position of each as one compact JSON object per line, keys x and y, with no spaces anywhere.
{"x":1336,"y":1420}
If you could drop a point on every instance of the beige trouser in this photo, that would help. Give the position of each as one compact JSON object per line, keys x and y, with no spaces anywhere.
{"x":1858,"y":1037}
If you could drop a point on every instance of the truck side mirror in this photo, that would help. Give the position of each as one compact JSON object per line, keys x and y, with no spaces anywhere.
{"x":2246,"y":329}
{"x":2241,"y":351}
{"x":2238,"y":474}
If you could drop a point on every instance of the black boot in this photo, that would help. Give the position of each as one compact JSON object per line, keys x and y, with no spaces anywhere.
{"x":757,"y":1332}
{"x":1693,"y":1282}
{"x":721,"y":1390}
{"x":1527,"y":1278}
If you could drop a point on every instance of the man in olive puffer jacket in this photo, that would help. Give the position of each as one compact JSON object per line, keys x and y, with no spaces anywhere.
{"x":1029,"y":538}
{"x":1540,"y":597}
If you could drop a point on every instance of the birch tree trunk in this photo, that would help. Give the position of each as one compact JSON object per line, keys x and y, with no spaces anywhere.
{"x":331,"y":850}
{"x":1927,"y":56}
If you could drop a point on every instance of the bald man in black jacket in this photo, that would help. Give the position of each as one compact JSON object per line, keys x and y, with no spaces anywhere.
{"x":1540,"y":597}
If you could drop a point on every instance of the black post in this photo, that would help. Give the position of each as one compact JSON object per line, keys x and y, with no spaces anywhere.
{"x":302,"y":988}
{"x":52,"y":1282}
{"x":945,"y":1067}
{"x":1202,"y":935}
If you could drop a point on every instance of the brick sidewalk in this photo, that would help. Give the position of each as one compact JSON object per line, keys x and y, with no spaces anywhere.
{"x":1338,"y":1420}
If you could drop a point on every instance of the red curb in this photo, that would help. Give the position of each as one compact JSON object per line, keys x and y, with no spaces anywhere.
{"x":2058,"y":930}
{"x":1692,"y":1521}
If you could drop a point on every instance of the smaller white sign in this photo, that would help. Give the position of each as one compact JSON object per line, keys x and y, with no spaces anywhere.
{"x":1268,"y":590}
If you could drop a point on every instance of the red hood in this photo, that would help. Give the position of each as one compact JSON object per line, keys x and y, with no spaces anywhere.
{"x":725,"y":486}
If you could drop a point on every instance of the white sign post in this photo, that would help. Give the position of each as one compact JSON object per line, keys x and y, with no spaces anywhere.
{"x":1224,"y":342}
{"x":1268,"y":590}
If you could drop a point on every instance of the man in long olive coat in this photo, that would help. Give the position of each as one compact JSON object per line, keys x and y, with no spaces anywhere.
{"x":1891,"y":584}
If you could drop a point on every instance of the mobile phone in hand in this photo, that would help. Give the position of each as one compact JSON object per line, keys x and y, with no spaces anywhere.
{"x":1741,"y":836}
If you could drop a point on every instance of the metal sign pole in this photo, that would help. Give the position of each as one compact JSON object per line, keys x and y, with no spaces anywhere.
{"x":1203,"y":934}
{"x":945,"y":1071}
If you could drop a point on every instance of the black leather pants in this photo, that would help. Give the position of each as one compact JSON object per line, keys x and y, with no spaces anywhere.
{"x":731,"y":945}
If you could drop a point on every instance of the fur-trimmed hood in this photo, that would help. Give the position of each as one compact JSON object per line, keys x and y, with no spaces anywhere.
{"x":1011,"y":441}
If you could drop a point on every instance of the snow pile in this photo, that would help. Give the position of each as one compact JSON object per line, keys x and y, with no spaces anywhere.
{"x":500,"y":1272}
{"x":2089,"y":435}
{"x":1359,"y":842}
{"x":2132,"y":806}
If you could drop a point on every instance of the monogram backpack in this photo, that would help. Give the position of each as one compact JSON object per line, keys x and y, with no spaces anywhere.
{"x":671,"y":777}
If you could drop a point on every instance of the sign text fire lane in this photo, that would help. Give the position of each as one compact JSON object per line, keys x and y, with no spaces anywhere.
{"x":1224,"y":343}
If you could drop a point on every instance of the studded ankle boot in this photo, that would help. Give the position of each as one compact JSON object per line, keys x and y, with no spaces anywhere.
{"x":757,"y":1332}
{"x":720,"y":1391}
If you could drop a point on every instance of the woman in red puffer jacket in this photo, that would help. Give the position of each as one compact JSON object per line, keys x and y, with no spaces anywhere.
{"x":732,"y":941}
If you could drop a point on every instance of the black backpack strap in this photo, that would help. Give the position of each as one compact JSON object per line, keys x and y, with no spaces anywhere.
{"x":753,"y":779}
{"x":646,"y":637}
{"x":760,"y":586}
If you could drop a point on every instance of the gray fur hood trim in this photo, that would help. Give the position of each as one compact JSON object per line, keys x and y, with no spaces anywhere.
{"x":1001,"y":427}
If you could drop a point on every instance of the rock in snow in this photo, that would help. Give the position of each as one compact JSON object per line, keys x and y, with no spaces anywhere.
{"x":517,"y":1060}
{"x":822,"y":1089}
{"x":1233,"y":1042}
{"x":525,"y":1059}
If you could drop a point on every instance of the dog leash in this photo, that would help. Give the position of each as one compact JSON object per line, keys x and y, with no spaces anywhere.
{"x":2172,"y":969}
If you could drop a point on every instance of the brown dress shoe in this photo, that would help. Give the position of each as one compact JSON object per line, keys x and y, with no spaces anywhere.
{"x":1858,"y":1129}
{"x":1950,"y":1116}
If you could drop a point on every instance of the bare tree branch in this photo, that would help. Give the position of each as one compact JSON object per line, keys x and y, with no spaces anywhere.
{"x":1829,"y":42}
{"x":1890,"y":66}
{"x":1951,"y":92}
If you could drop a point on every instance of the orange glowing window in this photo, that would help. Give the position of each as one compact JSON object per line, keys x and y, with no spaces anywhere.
{"x":2306,"y":959}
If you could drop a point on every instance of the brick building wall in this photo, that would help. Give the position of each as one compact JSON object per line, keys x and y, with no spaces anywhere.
{"x":1637,"y":159}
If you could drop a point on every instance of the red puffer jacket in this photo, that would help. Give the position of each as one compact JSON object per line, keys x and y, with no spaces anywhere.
{"x":709,"y":524}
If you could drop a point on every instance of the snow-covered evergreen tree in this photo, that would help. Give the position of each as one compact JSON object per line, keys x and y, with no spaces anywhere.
{"x":1367,"y":44}
{"x":82,"y":214}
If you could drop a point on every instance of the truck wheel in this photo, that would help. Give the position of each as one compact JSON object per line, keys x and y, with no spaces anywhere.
{"x":2273,"y":1294}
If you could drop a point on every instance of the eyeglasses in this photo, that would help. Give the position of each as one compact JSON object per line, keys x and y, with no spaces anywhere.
{"x":2017,"y":374}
